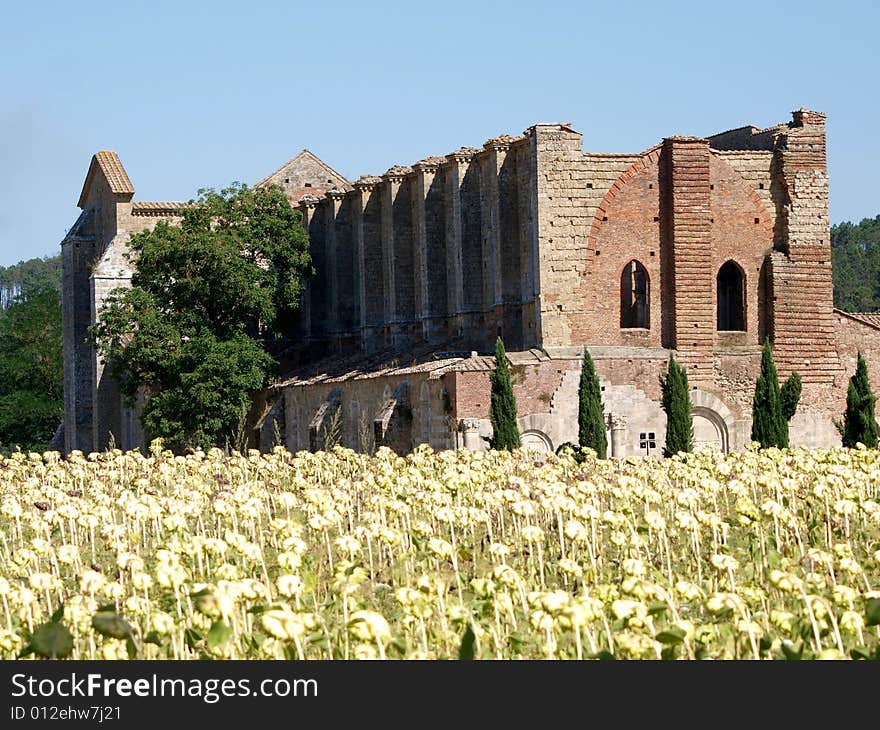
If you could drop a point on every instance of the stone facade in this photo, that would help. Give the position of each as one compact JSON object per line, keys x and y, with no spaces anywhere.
{"x":701,"y":247}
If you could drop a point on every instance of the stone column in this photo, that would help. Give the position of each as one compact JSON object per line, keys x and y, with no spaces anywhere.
{"x":470,"y":429}
{"x":617,"y":426}
{"x":307,"y":204}
{"x":490,"y":198}
{"x":424,"y":177}
{"x":456,"y":165}
{"x":334,"y":198}
{"x":363,"y":190}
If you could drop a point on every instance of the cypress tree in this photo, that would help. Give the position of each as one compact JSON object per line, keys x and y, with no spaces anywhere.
{"x":859,"y":423}
{"x":677,"y":404}
{"x":769,"y":425}
{"x":790,"y":395}
{"x":502,"y":409}
{"x":591,"y":419}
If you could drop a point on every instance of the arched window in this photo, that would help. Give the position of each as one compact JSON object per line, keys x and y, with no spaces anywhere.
{"x":731,"y":305}
{"x":635,"y":296}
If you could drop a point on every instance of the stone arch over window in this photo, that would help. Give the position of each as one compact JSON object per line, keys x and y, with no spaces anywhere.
{"x":635,"y":296}
{"x":731,"y":298}
{"x":714,"y":423}
{"x":537,"y":441}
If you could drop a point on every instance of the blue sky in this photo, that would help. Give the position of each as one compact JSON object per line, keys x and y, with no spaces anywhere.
{"x":197,"y":94}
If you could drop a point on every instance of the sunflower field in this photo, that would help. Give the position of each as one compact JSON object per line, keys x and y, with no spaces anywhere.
{"x":498,"y":555}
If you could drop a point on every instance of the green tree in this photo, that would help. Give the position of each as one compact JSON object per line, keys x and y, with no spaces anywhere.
{"x":676,"y":402}
{"x":591,"y":417}
{"x":859,"y":422}
{"x":502,"y":409}
{"x":209,"y":299}
{"x":855,"y":259}
{"x":33,"y":275}
{"x":769,"y":425}
{"x":790,"y":395}
{"x":31,"y":370}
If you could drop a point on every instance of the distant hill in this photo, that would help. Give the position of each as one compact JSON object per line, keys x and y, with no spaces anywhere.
{"x":855,"y":256}
{"x":29,"y":275}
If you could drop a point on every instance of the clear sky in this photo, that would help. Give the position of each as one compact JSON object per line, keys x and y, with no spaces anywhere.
{"x":199,"y":94}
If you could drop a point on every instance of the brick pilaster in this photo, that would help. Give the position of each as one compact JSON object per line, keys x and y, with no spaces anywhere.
{"x":688,"y":255}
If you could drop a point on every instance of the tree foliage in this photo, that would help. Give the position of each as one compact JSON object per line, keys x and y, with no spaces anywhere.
{"x":194,"y":333}
{"x":502,"y":409}
{"x":591,"y":417}
{"x":859,"y":422}
{"x":855,"y":257}
{"x":33,"y":275}
{"x":769,"y":425}
{"x":790,"y":395}
{"x":676,"y":402}
{"x":31,"y":370}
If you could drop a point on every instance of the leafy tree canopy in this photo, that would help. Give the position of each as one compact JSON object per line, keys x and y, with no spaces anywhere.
{"x":31,"y":370}
{"x":855,"y":256}
{"x":29,"y":276}
{"x":208,"y":299}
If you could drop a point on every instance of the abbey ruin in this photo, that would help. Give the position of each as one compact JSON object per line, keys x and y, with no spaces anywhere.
{"x":698,"y":246}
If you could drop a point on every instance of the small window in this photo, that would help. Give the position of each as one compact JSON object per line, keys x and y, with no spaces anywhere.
{"x":731,"y":304}
{"x":287,"y":181}
{"x":308,"y":185}
{"x":635,"y":294}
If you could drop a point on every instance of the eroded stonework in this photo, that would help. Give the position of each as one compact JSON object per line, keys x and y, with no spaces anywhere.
{"x":697,"y":247}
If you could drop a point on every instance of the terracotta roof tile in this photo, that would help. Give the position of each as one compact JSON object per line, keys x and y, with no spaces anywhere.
{"x":869,"y":318}
{"x":150,"y":208}
{"x":111,"y":167}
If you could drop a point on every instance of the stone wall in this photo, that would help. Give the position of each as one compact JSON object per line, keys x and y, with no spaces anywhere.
{"x":373,"y":409}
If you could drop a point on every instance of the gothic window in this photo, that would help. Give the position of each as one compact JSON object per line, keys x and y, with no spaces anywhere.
{"x":731,"y":305}
{"x":635,"y":297}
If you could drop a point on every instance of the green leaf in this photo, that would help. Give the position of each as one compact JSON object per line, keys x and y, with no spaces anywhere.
{"x":668,"y":653}
{"x":201,"y":593}
{"x":261,"y":608}
{"x":466,"y":650}
{"x":672,"y":635}
{"x":872,"y":612}
{"x":860,"y":652}
{"x":192,"y":638}
{"x":59,"y":614}
{"x":657,"y":608}
{"x":131,"y":648}
{"x":52,"y":640}
{"x":153,"y":638}
{"x":793,"y":651}
{"x":603,"y":655}
{"x":218,"y":634}
{"x":111,"y":624}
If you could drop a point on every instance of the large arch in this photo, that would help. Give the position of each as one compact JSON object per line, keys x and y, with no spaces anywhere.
{"x":713,"y":420}
{"x":536,"y":441}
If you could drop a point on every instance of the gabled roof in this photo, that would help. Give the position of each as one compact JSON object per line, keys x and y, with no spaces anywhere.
{"x":110,"y":166}
{"x":304,"y":154}
{"x":872,"y":319}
